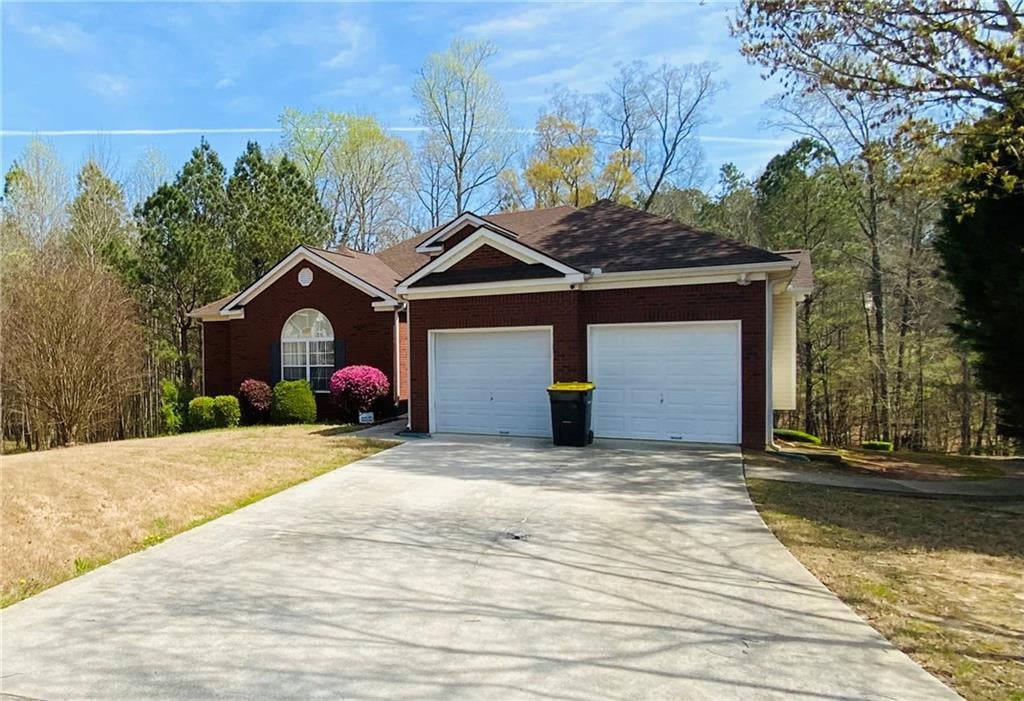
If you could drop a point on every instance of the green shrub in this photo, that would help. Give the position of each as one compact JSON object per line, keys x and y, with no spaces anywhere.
{"x":172,"y":406}
{"x":227,"y":412}
{"x":885,"y":446}
{"x":293,"y":403}
{"x":201,"y":415}
{"x":788,"y":434}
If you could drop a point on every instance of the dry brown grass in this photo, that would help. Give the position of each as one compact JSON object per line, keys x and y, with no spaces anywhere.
{"x":941,"y":579}
{"x":896,"y":465}
{"x":69,"y":510}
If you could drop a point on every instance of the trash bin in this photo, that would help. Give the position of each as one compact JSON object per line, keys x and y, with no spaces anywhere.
{"x":570,"y":413}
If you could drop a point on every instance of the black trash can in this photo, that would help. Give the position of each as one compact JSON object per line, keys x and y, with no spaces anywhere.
{"x":570,"y":413}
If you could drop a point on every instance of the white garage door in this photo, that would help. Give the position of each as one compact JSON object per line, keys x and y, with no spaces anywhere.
{"x":492,"y":382}
{"x":676,"y":382}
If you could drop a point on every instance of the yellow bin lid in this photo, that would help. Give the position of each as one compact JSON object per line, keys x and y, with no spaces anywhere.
{"x":572,"y":386}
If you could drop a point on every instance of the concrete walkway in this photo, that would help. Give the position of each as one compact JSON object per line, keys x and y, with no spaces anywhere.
{"x":1004,"y":488}
{"x":455,"y":569}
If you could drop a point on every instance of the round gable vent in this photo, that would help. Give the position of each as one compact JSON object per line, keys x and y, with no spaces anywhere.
{"x":305,"y":277}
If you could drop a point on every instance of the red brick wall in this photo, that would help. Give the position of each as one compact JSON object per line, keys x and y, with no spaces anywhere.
{"x":368,"y":334}
{"x":570,"y":312}
{"x":217,"y":358}
{"x":458,"y":237}
{"x":486,"y":257}
{"x":403,"y":356}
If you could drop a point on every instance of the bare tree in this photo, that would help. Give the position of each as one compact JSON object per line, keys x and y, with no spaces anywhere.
{"x":853,"y":136}
{"x":654,"y":115}
{"x":71,"y":349}
{"x":149,"y":172}
{"x":36,"y":193}
{"x":464,"y":112}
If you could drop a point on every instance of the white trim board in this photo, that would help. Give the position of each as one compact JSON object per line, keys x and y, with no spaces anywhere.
{"x":310,"y":256}
{"x":476,"y":240}
{"x":432,"y":244}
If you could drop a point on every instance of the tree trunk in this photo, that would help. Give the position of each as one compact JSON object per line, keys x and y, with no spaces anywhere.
{"x":808,"y":367}
{"x":880,"y":354}
{"x":183,"y":350}
{"x":965,"y":405}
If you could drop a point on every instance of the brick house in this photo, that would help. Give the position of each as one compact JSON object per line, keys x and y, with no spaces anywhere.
{"x":689,"y":336}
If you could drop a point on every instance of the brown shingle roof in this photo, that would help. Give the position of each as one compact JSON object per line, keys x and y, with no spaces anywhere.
{"x":617,"y":238}
{"x":803,"y":276}
{"x":604,"y":235}
{"x":213,"y":307}
{"x":364,"y":266}
{"x":404,"y":260}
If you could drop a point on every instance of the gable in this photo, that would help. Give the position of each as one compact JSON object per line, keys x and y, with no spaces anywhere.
{"x":488,"y":264}
{"x":317,"y":263}
{"x":488,"y":257}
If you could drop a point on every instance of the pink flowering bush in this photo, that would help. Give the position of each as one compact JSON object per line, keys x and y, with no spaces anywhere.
{"x":255,"y":396}
{"x":358,"y":387}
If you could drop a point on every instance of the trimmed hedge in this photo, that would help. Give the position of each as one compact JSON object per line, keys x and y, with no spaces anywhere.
{"x":227,"y":412}
{"x":885,"y":446}
{"x":201,"y":414}
{"x":788,"y":434}
{"x":293,"y":403}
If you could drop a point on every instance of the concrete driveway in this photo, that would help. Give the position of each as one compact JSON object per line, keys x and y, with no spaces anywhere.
{"x":466,"y":569}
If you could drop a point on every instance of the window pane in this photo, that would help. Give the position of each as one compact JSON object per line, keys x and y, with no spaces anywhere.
{"x":320,"y":378}
{"x":293,"y":373}
{"x":307,"y":323}
{"x":293,"y":353}
{"x":321,"y":353}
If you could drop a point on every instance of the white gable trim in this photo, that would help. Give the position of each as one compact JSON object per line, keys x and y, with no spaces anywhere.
{"x":484,"y":237}
{"x":304,"y":254}
{"x":433,"y":244}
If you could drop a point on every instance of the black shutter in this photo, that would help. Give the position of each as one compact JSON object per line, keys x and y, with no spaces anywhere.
{"x":339,"y":354}
{"x":275,"y":363}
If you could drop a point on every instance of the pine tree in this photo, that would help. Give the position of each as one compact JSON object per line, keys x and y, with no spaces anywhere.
{"x":184,"y":256}
{"x":982,"y":247}
{"x":272,"y":209}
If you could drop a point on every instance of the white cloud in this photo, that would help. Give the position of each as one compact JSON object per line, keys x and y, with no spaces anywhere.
{"x":353,"y":38}
{"x":107,"y":85}
{"x":223,"y":83}
{"x":66,"y":36}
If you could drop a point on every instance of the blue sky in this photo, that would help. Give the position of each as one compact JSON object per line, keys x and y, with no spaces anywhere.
{"x":105,"y":67}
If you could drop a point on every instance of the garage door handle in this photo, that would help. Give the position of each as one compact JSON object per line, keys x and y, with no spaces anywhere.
{"x":492,"y":396}
{"x":661,"y":399}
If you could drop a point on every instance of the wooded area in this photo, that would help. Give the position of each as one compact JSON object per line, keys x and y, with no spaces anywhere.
{"x":99,"y":276}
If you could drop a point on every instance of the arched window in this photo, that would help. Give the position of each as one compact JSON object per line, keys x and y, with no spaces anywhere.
{"x":307,"y":349}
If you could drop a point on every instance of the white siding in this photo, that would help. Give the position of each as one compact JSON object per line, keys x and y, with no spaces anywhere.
{"x":784,"y":351}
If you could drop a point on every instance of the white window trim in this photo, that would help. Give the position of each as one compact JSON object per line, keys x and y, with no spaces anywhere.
{"x":432,"y":335}
{"x":307,"y":341}
{"x":433,"y":244}
{"x":720,"y":322}
{"x":502,"y":243}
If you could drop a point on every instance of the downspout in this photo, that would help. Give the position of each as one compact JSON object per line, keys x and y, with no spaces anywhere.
{"x":397,"y":357}
{"x":408,"y":326}
{"x":202,"y":353}
{"x":769,"y":342}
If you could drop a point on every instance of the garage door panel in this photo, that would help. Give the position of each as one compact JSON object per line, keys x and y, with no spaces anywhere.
{"x":666,"y":381}
{"x":492,"y":382}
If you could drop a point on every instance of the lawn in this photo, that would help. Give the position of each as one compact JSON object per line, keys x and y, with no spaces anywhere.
{"x":896,"y":465}
{"x":67,"y":511}
{"x":941,"y":579}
